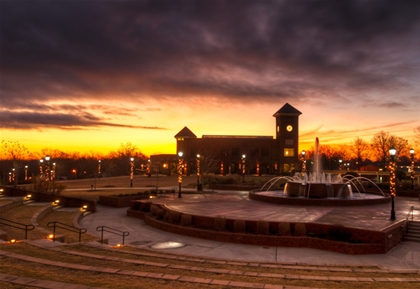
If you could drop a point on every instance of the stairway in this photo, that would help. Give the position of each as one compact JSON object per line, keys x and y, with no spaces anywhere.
{"x":413,"y":232}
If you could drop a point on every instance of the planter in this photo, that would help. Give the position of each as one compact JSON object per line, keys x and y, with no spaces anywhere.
{"x":120,"y":202}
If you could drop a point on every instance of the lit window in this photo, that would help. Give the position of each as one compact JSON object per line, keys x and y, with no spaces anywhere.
{"x":289,"y":152}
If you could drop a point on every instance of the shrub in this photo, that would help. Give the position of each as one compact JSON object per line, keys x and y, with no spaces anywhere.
{"x":186,"y":220}
{"x":160,"y":214}
{"x":284,"y":229}
{"x":136,"y":206}
{"x":263,"y":227}
{"x":300,"y":229}
{"x":145,"y":207}
{"x":154,"y":210}
{"x":220,"y":224}
{"x":174,"y":217}
{"x":239,"y":226}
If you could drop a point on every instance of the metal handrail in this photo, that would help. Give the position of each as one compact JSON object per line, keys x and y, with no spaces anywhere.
{"x":411,"y":211}
{"x":405,"y":225}
{"x":112,"y":231}
{"x":70,"y":228}
{"x":26,"y":229}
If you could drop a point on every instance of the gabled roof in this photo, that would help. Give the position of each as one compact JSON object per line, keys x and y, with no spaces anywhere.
{"x":287,"y":109}
{"x":185,"y":133}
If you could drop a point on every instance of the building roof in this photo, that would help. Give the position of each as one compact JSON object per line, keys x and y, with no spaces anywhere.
{"x":185,"y":133}
{"x":287,"y":109}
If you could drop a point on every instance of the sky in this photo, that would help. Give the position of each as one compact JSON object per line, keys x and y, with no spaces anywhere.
{"x":83,"y":76}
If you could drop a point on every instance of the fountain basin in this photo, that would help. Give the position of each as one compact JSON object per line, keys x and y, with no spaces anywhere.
{"x":280,"y":198}
{"x":317,"y":190}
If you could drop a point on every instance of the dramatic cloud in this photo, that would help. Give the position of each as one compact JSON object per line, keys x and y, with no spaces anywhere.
{"x":33,"y":120}
{"x":236,"y":50}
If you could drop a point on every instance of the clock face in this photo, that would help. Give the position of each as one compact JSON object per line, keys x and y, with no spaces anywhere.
{"x":289,"y":128}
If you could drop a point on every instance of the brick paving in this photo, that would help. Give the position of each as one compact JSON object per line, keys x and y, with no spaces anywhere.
{"x":234,"y":204}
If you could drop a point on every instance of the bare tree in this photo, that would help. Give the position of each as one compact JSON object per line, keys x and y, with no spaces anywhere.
{"x":383,"y":141}
{"x":13,"y":154}
{"x":359,"y":150}
{"x":209,"y":161}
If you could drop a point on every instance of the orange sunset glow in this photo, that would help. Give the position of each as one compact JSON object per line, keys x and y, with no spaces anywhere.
{"x":137,"y":72}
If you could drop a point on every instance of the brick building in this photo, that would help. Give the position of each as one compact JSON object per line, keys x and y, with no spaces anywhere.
{"x":237,"y":154}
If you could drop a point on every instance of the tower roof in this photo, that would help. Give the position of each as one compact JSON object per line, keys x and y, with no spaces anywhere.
{"x":287,"y":109}
{"x":185,"y":133}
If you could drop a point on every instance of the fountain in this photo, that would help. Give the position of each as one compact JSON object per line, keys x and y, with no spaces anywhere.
{"x":320,"y":188}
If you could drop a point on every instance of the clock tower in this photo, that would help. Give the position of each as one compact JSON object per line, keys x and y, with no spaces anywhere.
{"x":287,"y":137}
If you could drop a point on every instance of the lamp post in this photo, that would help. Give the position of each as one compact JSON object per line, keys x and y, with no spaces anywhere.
{"x":392,"y":180}
{"x":303,"y":162}
{"x":47,"y":170}
{"x":53,"y":172}
{"x":340,"y":161}
{"x":41,"y":173}
{"x":198,"y":174}
{"x":179,"y":173}
{"x":26,"y":173}
{"x":131,"y":171}
{"x":99,"y":168}
{"x":412,"y":168}
{"x":243,"y":168}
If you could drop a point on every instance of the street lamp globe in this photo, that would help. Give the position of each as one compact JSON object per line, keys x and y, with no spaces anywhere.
{"x":392,"y":151}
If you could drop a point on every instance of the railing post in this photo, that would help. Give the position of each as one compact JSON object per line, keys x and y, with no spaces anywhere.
{"x":54,"y":232}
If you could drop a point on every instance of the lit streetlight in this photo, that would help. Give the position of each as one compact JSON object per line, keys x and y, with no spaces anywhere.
{"x":340,"y":161}
{"x":99,"y":168}
{"x":26,"y":173}
{"x":41,"y":173}
{"x":392,"y":180}
{"x":199,"y":187}
{"x":303,"y":162}
{"x":412,"y":168}
{"x":180,"y":162}
{"x":47,"y":170}
{"x":53,"y":171}
{"x":131,"y":171}
{"x":243,"y":168}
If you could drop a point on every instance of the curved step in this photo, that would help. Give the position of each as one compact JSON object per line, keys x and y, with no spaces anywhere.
{"x":38,"y":283}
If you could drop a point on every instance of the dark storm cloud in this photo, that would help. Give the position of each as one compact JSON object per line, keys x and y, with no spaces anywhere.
{"x":35,"y":120}
{"x":262,"y":50}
